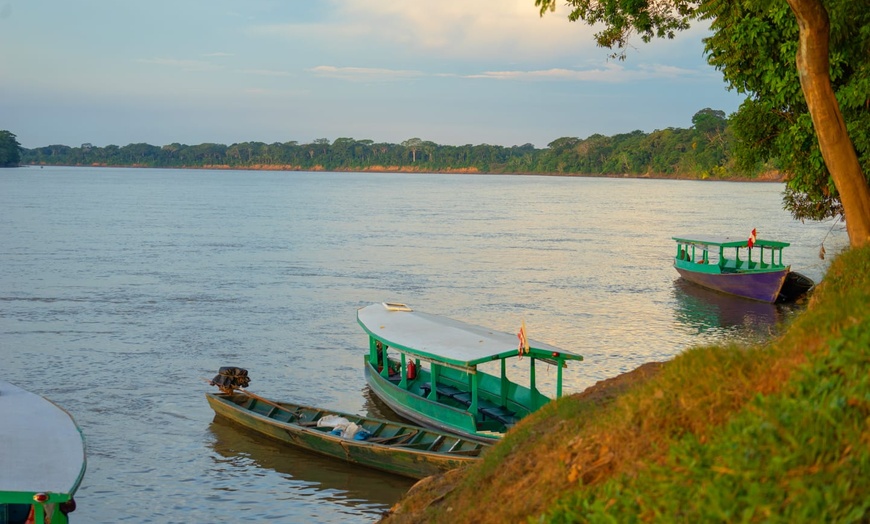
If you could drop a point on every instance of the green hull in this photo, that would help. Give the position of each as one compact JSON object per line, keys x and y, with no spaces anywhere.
{"x":396,"y":448}
{"x":446,"y":414}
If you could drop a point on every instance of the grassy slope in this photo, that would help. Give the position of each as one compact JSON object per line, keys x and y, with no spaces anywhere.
{"x":778,"y":432}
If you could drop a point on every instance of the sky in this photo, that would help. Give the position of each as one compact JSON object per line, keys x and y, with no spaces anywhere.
{"x":453,"y":72}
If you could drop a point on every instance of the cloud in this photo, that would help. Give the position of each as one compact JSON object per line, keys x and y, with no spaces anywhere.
{"x":606,"y":73}
{"x":363,"y":74}
{"x":186,"y":65}
{"x":609,"y":73}
{"x":482,"y":28}
{"x":265,"y":72}
{"x":455,"y":29}
{"x":274,"y":93}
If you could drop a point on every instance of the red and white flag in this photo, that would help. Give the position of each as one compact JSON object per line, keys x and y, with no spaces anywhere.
{"x":524,"y":342}
{"x":752,"y":237}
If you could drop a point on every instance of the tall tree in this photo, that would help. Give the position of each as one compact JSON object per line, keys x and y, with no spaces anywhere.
{"x":414,"y":144}
{"x":754,"y":45}
{"x":10,"y":149}
{"x":662,"y":19}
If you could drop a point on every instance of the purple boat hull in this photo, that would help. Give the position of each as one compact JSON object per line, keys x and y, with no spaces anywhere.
{"x":763,"y":286}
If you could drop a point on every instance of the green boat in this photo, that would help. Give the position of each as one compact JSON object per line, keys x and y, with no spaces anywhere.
{"x":751,"y":268}
{"x":42,"y":458}
{"x":384,"y":445}
{"x":433,"y":377}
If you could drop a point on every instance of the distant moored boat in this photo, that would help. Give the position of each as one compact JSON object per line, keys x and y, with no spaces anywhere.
{"x":751,"y":268}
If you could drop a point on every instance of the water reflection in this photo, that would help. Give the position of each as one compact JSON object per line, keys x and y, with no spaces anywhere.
{"x":376,"y":407}
{"x":704,"y":311}
{"x":309,"y":474}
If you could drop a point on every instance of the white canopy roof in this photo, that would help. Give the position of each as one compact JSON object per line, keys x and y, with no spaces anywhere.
{"x":42,"y":449}
{"x":444,"y":339}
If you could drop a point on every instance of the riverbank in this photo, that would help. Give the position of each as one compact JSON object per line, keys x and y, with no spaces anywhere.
{"x":773,"y":432}
{"x":769,"y":176}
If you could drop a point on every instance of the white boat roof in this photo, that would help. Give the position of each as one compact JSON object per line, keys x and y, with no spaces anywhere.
{"x":444,"y":339}
{"x":42,"y":448}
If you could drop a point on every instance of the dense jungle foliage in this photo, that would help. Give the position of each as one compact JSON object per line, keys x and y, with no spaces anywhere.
{"x":701,"y":151}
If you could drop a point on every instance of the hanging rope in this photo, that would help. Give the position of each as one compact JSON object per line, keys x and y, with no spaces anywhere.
{"x":822,"y":248}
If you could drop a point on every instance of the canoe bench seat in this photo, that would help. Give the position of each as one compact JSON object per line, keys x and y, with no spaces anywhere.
{"x":488,"y":409}
{"x":443,"y":390}
{"x":499,"y":413}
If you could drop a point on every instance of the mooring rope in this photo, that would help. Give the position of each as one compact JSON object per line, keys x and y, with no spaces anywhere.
{"x":822,"y":248}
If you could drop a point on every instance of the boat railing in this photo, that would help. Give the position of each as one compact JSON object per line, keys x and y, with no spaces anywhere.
{"x":731,"y":264}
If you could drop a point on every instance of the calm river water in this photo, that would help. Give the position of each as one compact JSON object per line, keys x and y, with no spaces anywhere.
{"x":122,"y":289}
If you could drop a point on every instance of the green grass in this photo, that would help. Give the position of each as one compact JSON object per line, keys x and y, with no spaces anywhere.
{"x":798,"y":454}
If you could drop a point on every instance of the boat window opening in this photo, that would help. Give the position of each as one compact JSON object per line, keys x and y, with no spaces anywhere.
{"x":771,"y":256}
{"x":512,"y":377}
{"x":682,"y":252}
{"x":391,"y":368}
{"x":698,"y":253}
{"x":381,"y":354}
{"x":703,"y":255}
{"x":711,"y":256}
{"x":518,"y":373}
{"x":723,"y":259}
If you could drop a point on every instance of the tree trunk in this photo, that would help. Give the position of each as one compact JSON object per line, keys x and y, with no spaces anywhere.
{"x":836,"y":146}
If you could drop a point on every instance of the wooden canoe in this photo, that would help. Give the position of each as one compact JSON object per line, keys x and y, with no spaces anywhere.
{"x":402,"y":449}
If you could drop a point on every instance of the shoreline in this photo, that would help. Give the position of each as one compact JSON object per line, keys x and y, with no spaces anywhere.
{"x":772,"y":176}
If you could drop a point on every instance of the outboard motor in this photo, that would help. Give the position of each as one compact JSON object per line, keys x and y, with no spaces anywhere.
{"x":230,"y":378}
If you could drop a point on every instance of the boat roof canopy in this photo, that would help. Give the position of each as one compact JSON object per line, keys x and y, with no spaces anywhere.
{"x":729,"y":242}
{"x":443,"y":339}
{"x":43,"y":449}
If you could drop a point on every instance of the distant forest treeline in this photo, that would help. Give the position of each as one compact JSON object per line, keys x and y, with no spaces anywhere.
{"x":702,"y":151}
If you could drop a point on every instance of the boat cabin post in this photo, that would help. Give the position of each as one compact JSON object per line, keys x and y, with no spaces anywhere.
{"x":532,"y":387}
{"x":475,"y":393}
{"x":504,"y":383}
{"x":435,"y":373}
{"x":404,"y":382}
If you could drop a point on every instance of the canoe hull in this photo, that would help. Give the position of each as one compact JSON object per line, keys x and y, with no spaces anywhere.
{"x":413,"y":463}
{"x":762,"y":286}
{"x":795,"y":286}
